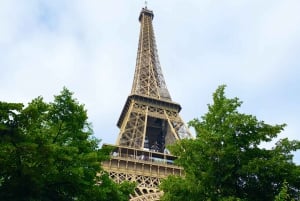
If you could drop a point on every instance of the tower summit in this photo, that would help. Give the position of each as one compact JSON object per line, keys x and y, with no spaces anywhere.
{"x":148,"y":78}
{"x":148,"y":123}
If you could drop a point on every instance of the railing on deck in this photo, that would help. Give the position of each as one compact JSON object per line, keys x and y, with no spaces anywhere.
{"x":141,"y":155}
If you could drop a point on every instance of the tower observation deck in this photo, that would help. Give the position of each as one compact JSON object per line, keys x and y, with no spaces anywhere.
{"x":148,"y":123}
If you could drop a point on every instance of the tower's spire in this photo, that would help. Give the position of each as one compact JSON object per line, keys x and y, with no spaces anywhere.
{"x":148,"y":78}
{"x":149,"y":117}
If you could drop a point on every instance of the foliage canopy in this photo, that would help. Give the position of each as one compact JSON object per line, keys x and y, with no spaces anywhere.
{"x":226,"y":162}
{"x":48,"y":153}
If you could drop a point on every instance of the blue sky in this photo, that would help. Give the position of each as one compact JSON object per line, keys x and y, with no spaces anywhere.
{"x":90,"y":47}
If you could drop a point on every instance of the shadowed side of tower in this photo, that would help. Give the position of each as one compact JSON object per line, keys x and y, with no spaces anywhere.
{"x":149,"y":122}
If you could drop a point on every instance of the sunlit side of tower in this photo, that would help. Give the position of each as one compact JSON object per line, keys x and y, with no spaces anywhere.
{"x":148,"y":123}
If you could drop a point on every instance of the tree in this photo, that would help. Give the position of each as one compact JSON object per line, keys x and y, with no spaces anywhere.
{"x":226,"y":161}
{"x":48,"y":153}
{"x":283,"y":194}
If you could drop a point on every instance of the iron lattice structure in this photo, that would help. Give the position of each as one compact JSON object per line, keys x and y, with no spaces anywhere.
{"x":146,"y":168}
{"x":148,"y":123}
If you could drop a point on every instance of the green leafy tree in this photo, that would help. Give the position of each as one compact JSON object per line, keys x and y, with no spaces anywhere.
{"x":283,"y":195}
{"x":226,"y":161}
{"x":48,"y":153}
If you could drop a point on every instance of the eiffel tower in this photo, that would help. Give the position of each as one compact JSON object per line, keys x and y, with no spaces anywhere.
{"x":148,"y":123}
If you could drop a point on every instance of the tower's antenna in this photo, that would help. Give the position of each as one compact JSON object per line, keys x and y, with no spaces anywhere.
{"x":146,"y":3}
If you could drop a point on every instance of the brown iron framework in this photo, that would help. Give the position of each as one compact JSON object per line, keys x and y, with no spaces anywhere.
{"x":146,"y":168}
{"x":148,"y":123}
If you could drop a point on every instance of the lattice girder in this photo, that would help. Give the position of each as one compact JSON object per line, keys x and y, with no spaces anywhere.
{"x":149,"y":122}
{"x":148,"y":77}
{"x":145,"y":168}
{"x":137,"y":125}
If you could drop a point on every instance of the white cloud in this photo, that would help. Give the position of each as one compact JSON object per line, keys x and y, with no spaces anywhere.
{"x":90,"y":47}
